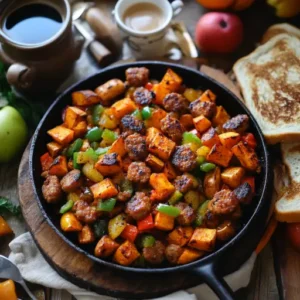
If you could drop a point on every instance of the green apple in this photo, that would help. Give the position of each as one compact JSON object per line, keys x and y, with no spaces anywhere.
{"x":13,"y":133}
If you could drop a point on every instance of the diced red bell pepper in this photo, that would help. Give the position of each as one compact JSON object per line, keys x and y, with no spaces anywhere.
{"x":250,"y":140}
{"x":130,"y":233}
{"x":146,"y":224}
{"x":251,"y":181}
{"x":46,"y":161}
{"x":149,"y":86}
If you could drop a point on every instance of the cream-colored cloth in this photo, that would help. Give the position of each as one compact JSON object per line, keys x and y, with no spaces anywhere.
{"x":34,"y":268}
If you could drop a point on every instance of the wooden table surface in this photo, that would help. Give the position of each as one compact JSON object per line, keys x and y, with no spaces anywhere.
{"x":256,"y":20}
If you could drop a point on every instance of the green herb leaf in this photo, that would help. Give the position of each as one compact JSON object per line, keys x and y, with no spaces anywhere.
{"x":6,"y":206}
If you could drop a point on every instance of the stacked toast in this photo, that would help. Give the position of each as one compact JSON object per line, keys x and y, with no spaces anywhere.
{"x":269,"y":79}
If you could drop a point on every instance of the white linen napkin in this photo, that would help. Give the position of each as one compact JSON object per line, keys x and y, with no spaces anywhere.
{"x":34,"y":268}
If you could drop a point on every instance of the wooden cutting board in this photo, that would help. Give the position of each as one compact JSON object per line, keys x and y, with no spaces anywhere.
{"x":80,"y":269}
{"x":287,"y":261}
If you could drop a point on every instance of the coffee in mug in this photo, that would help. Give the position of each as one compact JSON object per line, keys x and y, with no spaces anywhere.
{"x":144,"y":24}
{"x":33,"y":23}
{"x":143,"y":17}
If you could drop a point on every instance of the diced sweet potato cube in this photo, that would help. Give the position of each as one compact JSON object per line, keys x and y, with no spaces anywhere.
{"x":180,"y":235}
{"x":104,"y":189}
{"x":73,"y":115}
{"x":110,"y":90}
{"x":54,"y":148}
{"x":159,"y":195}
{"x":123,"y":107}
{"x":109,"y":164}
{"x":154,"y":163}
{"x":154,"y":121}
{"x":151,"y":133}
{"x":85,"y":98}
{"x":160,"y":182}
{"x":61,"y":134}
{"x":219,"y":155}
{"x":246,"y":155}
{"x":163,"y":222}
{"x":201,"y":123}
{"x":203,"y":239}
{"x":59,"y":167}
{"x":86,"y":235}
{"x":189,"y":255}
{"x":171,"y":82}
{"x":220,"y":117}
{"x":169,"y":171}
{"x":232,"y":176}
{"x":126,"y":254}
{"x":80,"y":129}
{"x":187,"y":121}
{"x":229,"y":139}
{"x":208,"y":95}
{"x":106,"y":247}
{"x":210,"y":138}
{"x":118,"y":147}
{"x":159,"y":144}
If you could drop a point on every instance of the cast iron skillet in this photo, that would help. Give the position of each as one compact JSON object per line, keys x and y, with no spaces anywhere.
{"x":225,"y":259}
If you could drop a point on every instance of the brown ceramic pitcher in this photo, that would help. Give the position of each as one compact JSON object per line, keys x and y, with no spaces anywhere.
{"x":42,"y":66}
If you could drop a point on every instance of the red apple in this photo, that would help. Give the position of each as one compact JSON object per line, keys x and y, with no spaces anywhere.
{"x":219,"y":32}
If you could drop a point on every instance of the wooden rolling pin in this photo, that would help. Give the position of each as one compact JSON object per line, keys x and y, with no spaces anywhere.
{"x":105,"y":29}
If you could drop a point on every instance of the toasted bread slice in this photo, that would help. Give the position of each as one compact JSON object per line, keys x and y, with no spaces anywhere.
{"x":287,"y":208}
{"x":270,"y":82}
{"x":279,"y":29}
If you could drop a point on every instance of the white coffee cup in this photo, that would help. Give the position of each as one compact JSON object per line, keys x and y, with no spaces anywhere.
{"x":148,"y":43}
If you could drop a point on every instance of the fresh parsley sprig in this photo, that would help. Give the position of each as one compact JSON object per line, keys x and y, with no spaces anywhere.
{"x":6,"y":206}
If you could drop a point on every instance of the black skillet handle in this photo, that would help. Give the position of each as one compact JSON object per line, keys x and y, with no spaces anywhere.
{"x":208,"y":274}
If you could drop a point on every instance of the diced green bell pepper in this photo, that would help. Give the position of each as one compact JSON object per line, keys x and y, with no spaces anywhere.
{"x":137,"y":114}
{"x":176,"y":196}
{"x":140,"y":262}
{"x":94,"y":134}
{"x":148,"y":241}
{"x":94,"y":145}
{"x":146,"y":113}
{"x":75,"y":164}
{"x":190,"y":138}
{"x":88,"y":156}
{"x":100,"y":228}
{"x":66,"y":207}
{"x":107,"y":205}
{"x":126,"y":186}
{"x":201,"y":213}
{"x":74,"y":147}
{"x":101,"y":151}
{"x":169,"y":210}
{"x":207,"y":167}
{"x":96,"y":113}
{"x":109,"y":136}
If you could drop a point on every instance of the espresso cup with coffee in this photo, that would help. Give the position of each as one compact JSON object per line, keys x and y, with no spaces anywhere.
{"x":144,"y":24}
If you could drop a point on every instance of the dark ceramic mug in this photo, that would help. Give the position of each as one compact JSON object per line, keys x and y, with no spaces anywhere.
{"x":37,"y":67}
